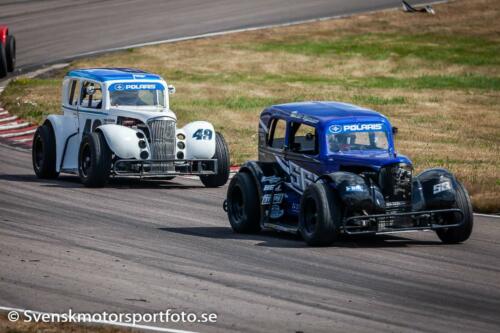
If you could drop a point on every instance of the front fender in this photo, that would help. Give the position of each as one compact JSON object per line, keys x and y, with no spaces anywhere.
{"x":438,"y":188}
{"x":200,"y":140}
{"x":355,"y":192}
{"x":123,"y":141}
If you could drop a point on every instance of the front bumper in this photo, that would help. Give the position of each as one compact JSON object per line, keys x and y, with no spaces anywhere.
{"x":164,"y":168}
{"x":400,"y":222}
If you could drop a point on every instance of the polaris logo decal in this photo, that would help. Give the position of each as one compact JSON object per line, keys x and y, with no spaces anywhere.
{"x":334,"y":129}
{"x":441,"y":187}
{"x":136,"y":86}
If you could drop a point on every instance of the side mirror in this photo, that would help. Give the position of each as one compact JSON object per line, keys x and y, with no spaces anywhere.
{"x":394,"y":130}
{"x":171,"y":89}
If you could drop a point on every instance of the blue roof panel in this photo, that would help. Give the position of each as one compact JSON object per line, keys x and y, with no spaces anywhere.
{"x":325,"y":111}
{"x":109,"y":74}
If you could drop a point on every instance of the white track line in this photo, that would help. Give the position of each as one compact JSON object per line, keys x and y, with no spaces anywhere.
{"x":487,"y":215}
{"x":11,"y":135}
{"x":104,"y":322}
{"x":2,"y":113}
{"x":3,"y":120}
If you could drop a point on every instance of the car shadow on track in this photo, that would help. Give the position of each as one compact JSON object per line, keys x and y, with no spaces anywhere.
{"x":285,"y":240}
{"x":68,"y":181}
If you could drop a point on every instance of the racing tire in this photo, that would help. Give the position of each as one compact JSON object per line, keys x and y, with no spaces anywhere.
{"x":3,"y":62}
{"x":43,"y":152}
{"x":94,"y":160}
{"x":462,"y":233}
{"x":243,"y":208}
{"x":320,"y":215}
{"x":10,"y":52}
{"x":222,"y":157}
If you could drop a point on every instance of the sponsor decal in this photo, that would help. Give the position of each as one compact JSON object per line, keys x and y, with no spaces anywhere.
{"x":336,"y":128}
{"x":296,"y":207}
{"x":276,"y":212}
{"x":270,"y":179}
{"x":123,"y":86}
{"x":441,"y":187}
{"x":354,"y":188}
{"x":277,"y":199}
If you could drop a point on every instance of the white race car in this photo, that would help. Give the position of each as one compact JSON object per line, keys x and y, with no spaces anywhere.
{"x":117,"y":122}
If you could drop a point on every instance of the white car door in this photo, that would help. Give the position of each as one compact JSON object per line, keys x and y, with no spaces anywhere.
{"x":90,"y":109}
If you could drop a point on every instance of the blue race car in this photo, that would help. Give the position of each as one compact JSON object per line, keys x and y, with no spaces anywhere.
{"x":327,"y":168}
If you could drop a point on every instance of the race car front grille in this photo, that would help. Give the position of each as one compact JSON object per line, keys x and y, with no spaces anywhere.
{"x":395,"y":181}
{"x":162,"y":136}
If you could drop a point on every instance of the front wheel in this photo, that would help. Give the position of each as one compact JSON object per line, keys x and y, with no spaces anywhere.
{"x":462,"y":233}
{"x":222,"y":157}
{"x":43,"y":152}
{"x":320,"y":215}
{"x":243,"y":208}
{"x":94,"y":160}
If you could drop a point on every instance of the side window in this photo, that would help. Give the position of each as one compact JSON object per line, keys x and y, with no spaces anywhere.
{"x":74,"y":90}
{"x":303,"y":139}
{"x":91,"y":95}
{"x":277,"y":136}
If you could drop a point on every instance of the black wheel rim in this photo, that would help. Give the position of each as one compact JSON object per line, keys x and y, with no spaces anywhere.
{"x":310,"y":215}
{"x":38,"y":152}
{"x":86,"y":160}
{"x":237,"y":204}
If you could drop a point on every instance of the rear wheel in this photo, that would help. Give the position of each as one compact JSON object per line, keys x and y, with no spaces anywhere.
{"x":43,"y":152}
{"x":94,"y":160}
{"x":3,"y":61}
{"x":243,"y":208}
{"x":320,"y":215}
{"x":222,"y":157}
{"x":10,"y":52}
{"x":462,"y":233}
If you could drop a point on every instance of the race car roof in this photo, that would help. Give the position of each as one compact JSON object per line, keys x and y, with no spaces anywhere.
{"x":109,"y":74}
{"x":323,"y":112}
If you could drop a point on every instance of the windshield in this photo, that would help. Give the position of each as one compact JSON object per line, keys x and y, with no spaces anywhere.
{"x":352,"y":141}
{"x":137,"y":94}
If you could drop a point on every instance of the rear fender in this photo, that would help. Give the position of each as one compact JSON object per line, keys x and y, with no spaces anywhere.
{"x":123,"y":141}
{"x":200,"y":140}
{"x":439,"y":188}
{"x":267,"y":176}
{"x":64,"y":128}
{"x":355,"y":192}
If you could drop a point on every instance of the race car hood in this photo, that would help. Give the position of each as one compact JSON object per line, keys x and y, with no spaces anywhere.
{"x":373,"y":159}
{"x":142,"y":113}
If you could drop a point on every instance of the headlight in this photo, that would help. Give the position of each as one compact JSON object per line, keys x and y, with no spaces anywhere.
{"x":181,"y":145}
{"x":181,"y":136}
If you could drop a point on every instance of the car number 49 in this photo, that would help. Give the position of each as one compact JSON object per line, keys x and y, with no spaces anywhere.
{"x":203,"y":134}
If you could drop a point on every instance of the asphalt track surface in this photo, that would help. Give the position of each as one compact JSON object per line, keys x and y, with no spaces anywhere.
{"x":152,"y":245}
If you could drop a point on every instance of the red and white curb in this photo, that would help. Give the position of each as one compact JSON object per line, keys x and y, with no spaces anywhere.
{"x":14,"y":131}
